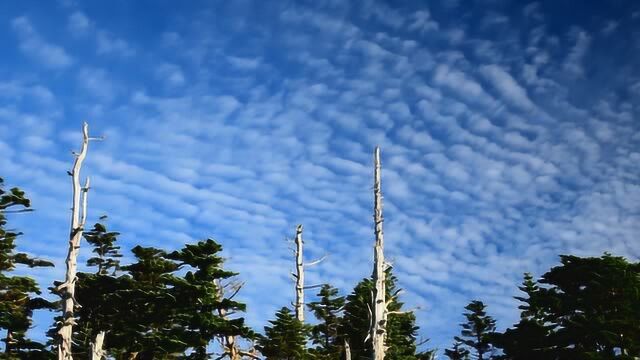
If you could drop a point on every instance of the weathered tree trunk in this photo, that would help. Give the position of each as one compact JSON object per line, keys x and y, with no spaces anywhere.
{"x":97,"y":353}
{"x":229,"y":343}
{"x":379,"y":313}
{"x":347,"y":350}
{"x":78,"y":218}
{"x":299,"y":305}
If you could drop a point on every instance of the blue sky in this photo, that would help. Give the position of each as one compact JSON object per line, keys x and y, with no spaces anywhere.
{"x":508,"y":134}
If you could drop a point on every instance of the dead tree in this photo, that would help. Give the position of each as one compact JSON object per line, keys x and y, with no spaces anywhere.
{"x":97,"y":353}
{"x":299,"y":276}
{"x":379,"y":312}
{"x":78,"y":219}
{"x":347,"y":350}
{"x":229,"y":344}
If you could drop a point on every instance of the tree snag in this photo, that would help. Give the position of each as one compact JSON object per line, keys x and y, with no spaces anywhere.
{"x":78,"y":219}
{"x":97,"y":353}
{"x":347,"y":350}
{"x":379,"y":313}
{"x":299,"y":276}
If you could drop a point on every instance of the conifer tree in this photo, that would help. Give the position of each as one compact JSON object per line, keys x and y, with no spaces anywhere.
{"x":198,"y":306}
{"x":285,"y":339}
{"x":529,"y":338}
{"x":457,"y":352}
{"x":97,"y":292}
{"x":17,"y":293}
{"x":587,"y":309}
{"x":401,"y":328}
{"x":478,"y":330}
{"x":325,"y":334}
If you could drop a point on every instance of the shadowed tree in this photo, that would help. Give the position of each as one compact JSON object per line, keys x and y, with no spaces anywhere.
{"x":477,"y":330}
{"x":97,"y":292}
{"x":586,"y":308}
{"x":328,"y":311}
{"x":18,"y":297}
{"x":457,"y":352}
{"x":529,"y":338}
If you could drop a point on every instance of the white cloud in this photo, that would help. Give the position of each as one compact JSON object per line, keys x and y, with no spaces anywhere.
{"x":421,"y":21}
{"x":573,"y":64}
{"x":32,"y":44}
{"x":109,"y":44}
{"x":507,"y":86}
{"x":97,"y":82}
{"x":171,"y":74}
{"x":79,"y":23}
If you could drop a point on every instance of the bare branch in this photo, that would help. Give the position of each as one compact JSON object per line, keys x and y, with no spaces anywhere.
{"x":316,"y":262}
{"x":313,"y":286}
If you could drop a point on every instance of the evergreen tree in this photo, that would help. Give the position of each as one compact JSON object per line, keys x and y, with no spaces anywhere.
{"x":166,"y":306}
{"x":103,"y":242}
{"x":285,"y":339}
{"x":199,"y":305}
{"x":457,"y":352}
{"x":587,"y":309}
{"x":528,"y":339}
{"x":478,"y":330}
{"x":98,"y":292}
{"x":401,"y":327}
{"x":17,"y":293}
{"x":325,"y":334}
{"x":144,"y":326}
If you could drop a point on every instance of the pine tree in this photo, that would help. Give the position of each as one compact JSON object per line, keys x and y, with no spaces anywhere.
{"x":457,"y":352}
{"x":103,"y":242}
{"x":144,"y":327}
{"x":198,"y":307}
{"x":325,"y":334}
{"x":401,"y":328}
{"x":17,"y":293}
{"x":528,"y":339}
{"x":97,"y":292}
{"x":285,"y":339}
{"x":477,"y":331}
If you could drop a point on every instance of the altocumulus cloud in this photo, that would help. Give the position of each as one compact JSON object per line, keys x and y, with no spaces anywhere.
{"x":508,"y":137}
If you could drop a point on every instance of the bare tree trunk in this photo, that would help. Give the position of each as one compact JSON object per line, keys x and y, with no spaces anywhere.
{"x":379,"y":321}
{"x":299,"y":306}
{"x":78,"y":218}
{"x":347,"y":350}
{"x":97,"y":353}
{"x":229,"y":344}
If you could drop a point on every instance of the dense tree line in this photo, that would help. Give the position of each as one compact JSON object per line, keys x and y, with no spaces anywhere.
{"x":171,"y":305}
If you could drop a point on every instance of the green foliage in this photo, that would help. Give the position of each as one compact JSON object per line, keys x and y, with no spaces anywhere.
{"x":586,"y":308}
{"x":401,"y":327}
{"x":103,"y":243}
{"x":477,"y":331}
{"x":165,"y":305}
{"x":198,"y":310}
{"x":457,"y":352}
{"x":285,"y":339}
{"x":326,"y":333}
{"x":17,"y":293}
{"x":98,"y":293}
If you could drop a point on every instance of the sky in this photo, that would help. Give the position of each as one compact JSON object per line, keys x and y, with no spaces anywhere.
{"x":508,"y":131}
